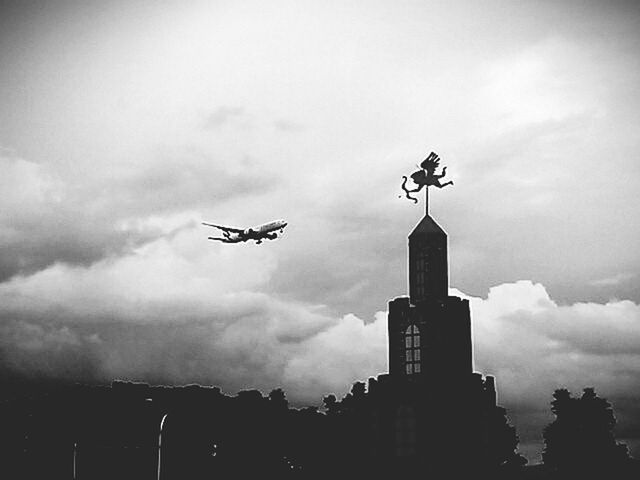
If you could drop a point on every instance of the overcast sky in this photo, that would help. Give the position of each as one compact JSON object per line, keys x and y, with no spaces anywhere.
{"x":124,"y":124}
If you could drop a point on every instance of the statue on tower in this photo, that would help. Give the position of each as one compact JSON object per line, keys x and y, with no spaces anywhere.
{"x":426,"y":176}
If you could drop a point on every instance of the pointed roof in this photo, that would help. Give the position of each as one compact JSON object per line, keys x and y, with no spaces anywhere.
{"x":427,"y":227}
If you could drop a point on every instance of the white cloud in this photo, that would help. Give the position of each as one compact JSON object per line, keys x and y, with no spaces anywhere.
{"x":331,"y":361}
{"x":534,"y":345}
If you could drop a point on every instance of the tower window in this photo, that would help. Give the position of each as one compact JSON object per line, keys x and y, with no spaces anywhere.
{"x":422,"y":268}
{"x":412,"y":350}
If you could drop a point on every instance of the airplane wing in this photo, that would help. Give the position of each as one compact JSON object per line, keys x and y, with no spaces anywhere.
{"x":222,"y":227}
{"x":220,"y":239}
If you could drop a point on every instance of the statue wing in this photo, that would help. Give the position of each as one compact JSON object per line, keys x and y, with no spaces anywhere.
{"x":431,"y":162}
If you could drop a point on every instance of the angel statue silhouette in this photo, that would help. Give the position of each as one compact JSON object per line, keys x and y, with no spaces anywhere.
{"x":426,"y":176}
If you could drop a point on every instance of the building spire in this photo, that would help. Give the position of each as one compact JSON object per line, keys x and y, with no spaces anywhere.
{"x":428,"y":262}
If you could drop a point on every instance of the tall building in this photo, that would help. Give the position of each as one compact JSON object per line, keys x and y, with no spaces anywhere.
{"x":429,"y":331}
{"x":431,"y":409}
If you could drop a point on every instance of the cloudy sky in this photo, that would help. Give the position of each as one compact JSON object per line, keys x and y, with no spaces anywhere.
{"x":124,"y":124}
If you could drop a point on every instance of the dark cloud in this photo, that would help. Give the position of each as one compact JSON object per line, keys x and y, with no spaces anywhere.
{"x":235,"y":353}
{"x":68,"y":238}
{"x":38,"y":351}
{"x":233,"y":349}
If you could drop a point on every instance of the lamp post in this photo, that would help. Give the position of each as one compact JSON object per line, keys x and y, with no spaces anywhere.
{"x":160,"y":444}
{"x":75,"y":460}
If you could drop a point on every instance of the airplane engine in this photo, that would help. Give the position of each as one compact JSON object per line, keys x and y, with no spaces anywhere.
{"x":248,"y":231}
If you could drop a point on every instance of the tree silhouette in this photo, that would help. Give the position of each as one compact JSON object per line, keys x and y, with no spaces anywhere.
{"x":581,"y":440}
{"x":114,"y":432}
{"x":358,"y":422}
{"x":502,"y":441}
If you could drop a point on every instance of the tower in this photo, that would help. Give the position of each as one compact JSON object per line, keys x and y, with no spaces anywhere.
{"x":429,"y":331}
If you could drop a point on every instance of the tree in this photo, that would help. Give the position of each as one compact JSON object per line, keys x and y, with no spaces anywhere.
{"x":502,"y":441}
{"x":581,"y":440}
{"x":278,"y":399}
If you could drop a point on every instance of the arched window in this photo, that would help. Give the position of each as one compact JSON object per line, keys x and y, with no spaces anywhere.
{"x":412,"y":350}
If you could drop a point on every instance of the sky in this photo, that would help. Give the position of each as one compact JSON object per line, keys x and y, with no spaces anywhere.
{"x":124,"y":124}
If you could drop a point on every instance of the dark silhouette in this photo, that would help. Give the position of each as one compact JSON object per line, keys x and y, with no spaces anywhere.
{"x":373,"y":434}
{"x":426,"y":176}
{"x":580,"y":441}
{"x":415,"y":416}
{"x":100,"y":432}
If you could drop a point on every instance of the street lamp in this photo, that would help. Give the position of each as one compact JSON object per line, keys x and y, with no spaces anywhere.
{"x":75,"y":459}
{"x":160,"y":444}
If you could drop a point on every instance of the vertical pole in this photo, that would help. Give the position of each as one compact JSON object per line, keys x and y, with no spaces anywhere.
{"x":426,"y":200}
{"x":75,"y":459}
{"x":160,"y":444}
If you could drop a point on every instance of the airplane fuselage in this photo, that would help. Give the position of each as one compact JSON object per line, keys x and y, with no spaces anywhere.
{"x":265,"y":228}
{"x":264,"y":231}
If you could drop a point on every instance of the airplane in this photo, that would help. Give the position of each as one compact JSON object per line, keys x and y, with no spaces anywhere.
{"x":235,"y":235}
